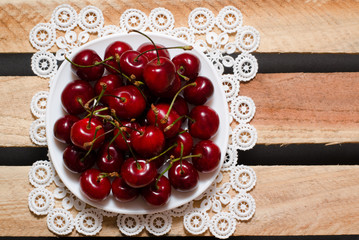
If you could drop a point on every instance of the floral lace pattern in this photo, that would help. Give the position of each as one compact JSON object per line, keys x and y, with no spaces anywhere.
{"x":219,"y":208}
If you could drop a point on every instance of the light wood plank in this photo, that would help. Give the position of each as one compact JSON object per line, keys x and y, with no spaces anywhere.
{"x":290,"y":200}
{"x":285,"y":26}
{"x":290,"y":107}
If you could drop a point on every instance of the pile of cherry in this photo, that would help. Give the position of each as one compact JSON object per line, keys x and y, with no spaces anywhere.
{"x":145,"y":118}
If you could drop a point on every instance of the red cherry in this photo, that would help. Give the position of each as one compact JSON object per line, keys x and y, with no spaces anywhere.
{"x":75,"y":160}
{"x":112,"y":81}
{"x":206,"y":122}
{"x":133,"y":64}
{"x":74,"y":92}
{"x":183,"y":177}
{"x":210,"y":159}
{"x":62,"y":128}
{"x":187,"y":64}
{"x":115,"y":50}
{"x":138,"y":174}
{"x":128,"y":103}
{"x":199,"y":94}
{"x":87,"y":57}
{"x":122,"y":192}
{"x":127,"y":129}
{"x":162,"y":109}
{"x":109,"y":158}
{"x":159,"y":75}
{"x":158,"y":192}
{"x":95,"y":186}
{"x":186,"y":139}
{"x":82,"y":133}
{"x":150,"y":55}
{"x":148,"y":141}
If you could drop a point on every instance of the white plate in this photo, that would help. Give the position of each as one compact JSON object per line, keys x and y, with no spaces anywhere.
{"x":54,"y":111}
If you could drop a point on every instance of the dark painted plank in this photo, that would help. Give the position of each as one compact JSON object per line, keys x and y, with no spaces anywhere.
{"x":19,"y":64}
{"x":301,"y":154}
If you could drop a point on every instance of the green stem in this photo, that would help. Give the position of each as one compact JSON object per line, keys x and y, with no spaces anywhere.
{"x":164,"y":152}
{"x":185,"y":157}
{"x":187,"y":47}
{"x":88,"y":66}
{"x":92,"y":143}
{"x":182,"y":76}
{"x":165,"y":119}
{"x":158,"y":55}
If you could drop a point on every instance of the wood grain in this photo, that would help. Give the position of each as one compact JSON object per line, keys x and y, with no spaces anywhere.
{"x":285,"y":26}
{"x":290,"y":107}
{"x":290,"y":200}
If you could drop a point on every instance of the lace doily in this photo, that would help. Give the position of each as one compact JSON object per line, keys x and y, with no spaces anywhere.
{"x":224,"y":204}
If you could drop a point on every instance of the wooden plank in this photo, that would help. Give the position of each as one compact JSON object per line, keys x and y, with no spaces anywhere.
{"x":290,"y":107}
{"x":290,"y":200}
{"x":305,"y":107}
{"x":285,"y":26}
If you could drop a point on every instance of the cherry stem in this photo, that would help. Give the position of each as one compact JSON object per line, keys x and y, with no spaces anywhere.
{"x":165,"y":119}
{"x":162,"y":173}
{"x":182,"y":76}
{"x":104,"y":86}
{"x":155,"y":111}
{"x":88,"y":66}
{"x":185,"y":157}
{"x":187,"y":47}
{"x":162,"y":153}
{"x":172,"y":124}
{"x":181,"y":157}
{"x":121,"y":98}
{"x":153,"y":43}
{"x":184,"y":131}
{"x":91,"y":143}
{"x":104,"y":175}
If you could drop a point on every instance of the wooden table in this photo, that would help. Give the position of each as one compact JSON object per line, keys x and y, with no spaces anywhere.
{"x":310,"y":109}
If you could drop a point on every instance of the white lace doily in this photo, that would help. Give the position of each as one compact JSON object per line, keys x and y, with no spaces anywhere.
{"x":224,"y":204}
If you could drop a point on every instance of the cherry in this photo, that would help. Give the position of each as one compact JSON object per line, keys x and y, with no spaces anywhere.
{"x":109,"y":158}
{"x":183,"y":176}
{"x":159,"y":75}
{"x":127,"y":101}
{"x":62,"y":128}
{"x":162,"y":109}
{"x":75,"y":159}
{"x":210,"y":156}
{"x":138,"y":173}
{"x":148,"y":141}
{"x":85,"y":58}
{"x":115,"y":50}
{"x":75,"y":94}
{"x":199,"y":94}
{"x":186,"y":139}
{"x":187,"y":64}
{"x":132,"y":63}
{"x":127,"y":128}
{"x":112,"y":81}
{"x":158,"y":192}
{"x":94,"y":185}
{"x":150,"y":55}
{"x":87,"y":132}
{"x":203,"y":123}
{"x":122,"y":192}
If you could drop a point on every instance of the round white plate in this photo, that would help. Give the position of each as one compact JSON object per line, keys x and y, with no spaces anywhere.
{"x":55,"y":111}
